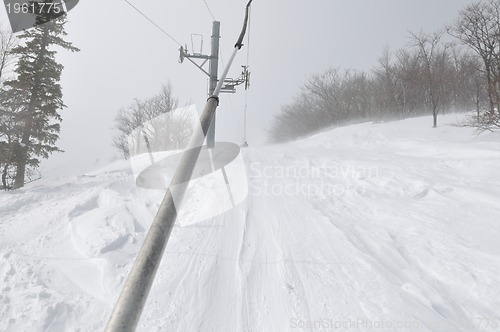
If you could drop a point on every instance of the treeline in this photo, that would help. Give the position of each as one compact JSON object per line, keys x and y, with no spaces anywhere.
{"x":430,"y":76}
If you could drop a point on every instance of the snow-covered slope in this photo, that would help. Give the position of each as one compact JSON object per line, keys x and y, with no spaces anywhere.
{"x":390,"y":227}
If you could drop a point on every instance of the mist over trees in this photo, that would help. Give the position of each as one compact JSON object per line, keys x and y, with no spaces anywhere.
{"x":428,"y":76}
{"x":152,"y":125}
{"x":478,"y":27}
{"x":30,"y":100}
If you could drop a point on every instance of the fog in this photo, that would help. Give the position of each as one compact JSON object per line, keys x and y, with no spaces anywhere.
{"x":123,"y":56}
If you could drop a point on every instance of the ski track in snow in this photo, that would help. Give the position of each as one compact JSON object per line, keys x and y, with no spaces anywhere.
{"x":412,"y":238}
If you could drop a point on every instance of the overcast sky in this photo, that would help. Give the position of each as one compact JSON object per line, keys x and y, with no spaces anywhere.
{"x":123,"y":56}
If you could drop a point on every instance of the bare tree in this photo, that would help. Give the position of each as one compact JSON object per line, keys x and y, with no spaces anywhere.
{"x":337,"y":96}
{"x":478,"y":27}
{"x":152,"y":124}
{"x":386,"y":87}
{"x":434,"y":58}
{"x":7,"y":43}
{"x":470,"y":86}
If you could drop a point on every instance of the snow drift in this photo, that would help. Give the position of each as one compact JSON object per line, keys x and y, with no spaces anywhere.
{"x":391,"y":227}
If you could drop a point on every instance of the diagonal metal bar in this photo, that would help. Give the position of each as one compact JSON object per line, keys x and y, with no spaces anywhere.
{"x":130,"y":304}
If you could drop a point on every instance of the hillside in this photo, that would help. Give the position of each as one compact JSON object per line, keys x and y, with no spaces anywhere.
{"x":389,"y":226}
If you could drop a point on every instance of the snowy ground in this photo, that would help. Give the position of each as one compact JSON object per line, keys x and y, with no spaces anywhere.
{"x":371,"y":227}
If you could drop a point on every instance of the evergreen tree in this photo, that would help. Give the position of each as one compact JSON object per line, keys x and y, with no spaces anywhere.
{"x":7,"y":43}
{"x":33,"y":99}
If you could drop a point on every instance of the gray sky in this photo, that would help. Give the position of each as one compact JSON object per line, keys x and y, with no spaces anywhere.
{"x":123,"y":57}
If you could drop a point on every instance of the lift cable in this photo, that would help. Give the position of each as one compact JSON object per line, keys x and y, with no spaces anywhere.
{"x":130,"y":304}
{"x":154,"y":23}
{"x":208,"y":8}
{"x":248,"y":34}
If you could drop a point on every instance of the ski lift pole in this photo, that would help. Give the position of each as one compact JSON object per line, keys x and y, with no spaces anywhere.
{"x":130,"y":304}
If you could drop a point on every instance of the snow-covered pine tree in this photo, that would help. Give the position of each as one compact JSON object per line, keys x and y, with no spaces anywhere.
{"x":34,"y":97}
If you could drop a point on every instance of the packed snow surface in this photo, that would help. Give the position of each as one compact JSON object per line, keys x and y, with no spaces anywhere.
{"x":372,"y":227}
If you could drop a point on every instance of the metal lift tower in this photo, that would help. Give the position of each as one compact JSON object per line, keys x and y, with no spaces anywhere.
{"x":213,"y":72}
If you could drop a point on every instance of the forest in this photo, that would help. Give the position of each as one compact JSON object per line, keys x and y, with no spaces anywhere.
{"x":455,"y":69}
